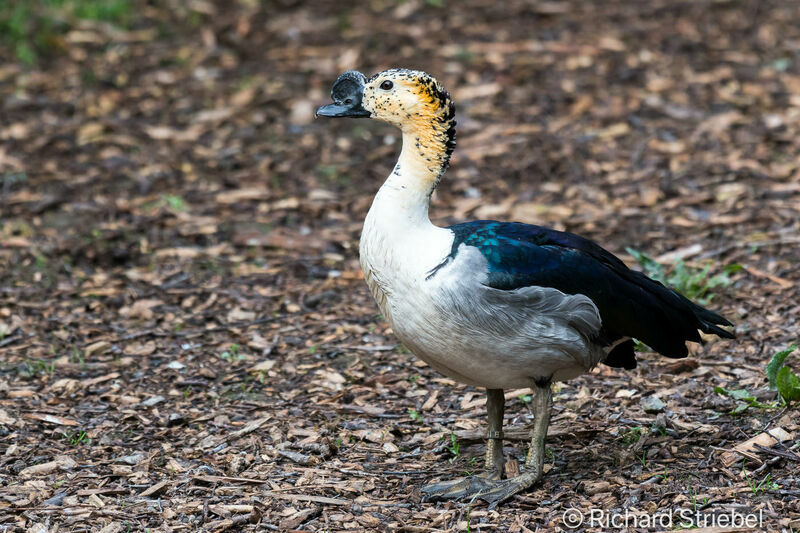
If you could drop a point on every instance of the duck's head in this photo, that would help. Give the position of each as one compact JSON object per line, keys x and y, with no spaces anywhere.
{"x":409,"y":99}
{"x":414,"y":102}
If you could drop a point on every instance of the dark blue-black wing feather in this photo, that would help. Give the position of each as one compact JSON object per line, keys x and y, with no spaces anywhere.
{"x":630,"y":303}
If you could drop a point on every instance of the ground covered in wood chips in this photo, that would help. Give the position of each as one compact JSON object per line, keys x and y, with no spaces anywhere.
{"x":186,"y":341}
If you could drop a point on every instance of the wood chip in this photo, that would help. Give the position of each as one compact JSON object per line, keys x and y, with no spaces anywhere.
{"x":748,"y":447}
{"x":249,"y":428}
{"x":6,"y":419}
{"x":156,"y":490}
{"x":51,"y":419}
{"x":308,"y":498}
{"x":62,"y":462}
{"x":97,"y":348}
{"x":101,"y":379}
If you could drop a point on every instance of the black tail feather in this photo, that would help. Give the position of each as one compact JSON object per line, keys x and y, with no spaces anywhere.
{"x":710,"y":322}
{"x":671,"y":321}
{"x":622,"y":356}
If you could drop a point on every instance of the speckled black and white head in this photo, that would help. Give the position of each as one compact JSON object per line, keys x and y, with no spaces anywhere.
{"x":407,"y":99}
{"x":411,"y":100}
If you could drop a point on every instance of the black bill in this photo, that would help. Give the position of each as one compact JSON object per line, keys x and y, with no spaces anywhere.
{"x":346,"y":95}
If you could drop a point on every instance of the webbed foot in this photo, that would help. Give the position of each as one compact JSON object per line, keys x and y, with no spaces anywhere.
{"x":503,"y":489}
{"x":489,"y":487}
{"x":455,"y":489}
{"x":492,"y":491}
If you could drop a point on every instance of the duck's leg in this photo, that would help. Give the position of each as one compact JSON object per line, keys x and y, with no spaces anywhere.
{"x":493,"y":467}
{"x":495,"y":406}
{"x":534,"y":463}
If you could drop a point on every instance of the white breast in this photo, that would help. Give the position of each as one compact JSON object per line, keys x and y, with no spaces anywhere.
{"x":396,"y":255}
{"x":462,"y":328}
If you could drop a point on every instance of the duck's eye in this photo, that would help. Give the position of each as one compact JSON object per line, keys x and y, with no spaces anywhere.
{"x":387,"y":85}
{"x":348,"y":101}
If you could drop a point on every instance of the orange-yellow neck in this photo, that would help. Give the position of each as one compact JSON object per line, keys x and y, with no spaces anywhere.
{"x":428,"y":142}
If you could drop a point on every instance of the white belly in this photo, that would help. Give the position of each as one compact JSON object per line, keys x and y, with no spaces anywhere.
{"x":465,"y":330}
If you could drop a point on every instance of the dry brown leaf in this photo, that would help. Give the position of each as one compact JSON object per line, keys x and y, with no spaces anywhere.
{"x":62,"y":462}
{"x":6,"y":419}
{"x":166,"y":133}
{"x":140,"y":349}
{"x":747,"y":448}
{"x":51,"y":419}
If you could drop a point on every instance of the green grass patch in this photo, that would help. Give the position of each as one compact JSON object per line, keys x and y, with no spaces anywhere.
{"x":631,"y":436}
{"x":781,"y":377}
{"x":415,"y":416}
{"x":75,"y":438}
{"x":31,"y":29}
{"x":232,"y":354}
{"x":30,"y":368}
{"x":697,"y":284}
{"x":454,"y":448}
{"x":744,"y":400}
